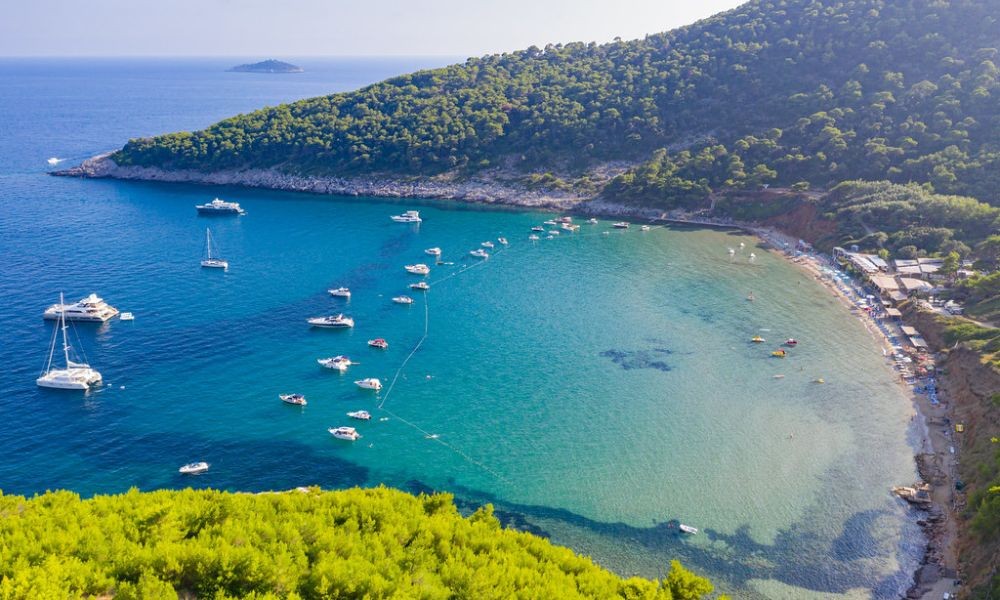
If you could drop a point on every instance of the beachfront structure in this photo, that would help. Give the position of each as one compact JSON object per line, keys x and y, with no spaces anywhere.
{"x":919,"y":268}
{"x":866,"y":264}
{"x":916,"y":287}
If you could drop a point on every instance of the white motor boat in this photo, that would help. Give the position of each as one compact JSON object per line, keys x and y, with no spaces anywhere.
{"x":550,"y":222}
{"x":688,"y":529}
{"x":403,"y":300}
{"x":361,"y":415}
{"x":212,"y":262}
{"x":433,"y":251}
{"x":379,"y":343}
{"x":644,"y":228}
{"x":538,"y":228}
{"x":503,"y":241}
{"x":370,"y":383}
{"x":423,"y":286}
{"x":554,"y":232}
{"x":91,"y":308}
{"x":332,"y":322}
{"x":418,"y":269}
{"x":340,"y":292}
{"x":338,"y":363}
{"x":621,"y":225}
{"x":533,"y":237}
{"x":126,"y":316}
{"x":220,"y":207}
{"x":194,"y":468}
{"x":345,"y":433}
{"x":592,"y":221}
{"x":296,"y":399}
{"x":479,"y":253}
{"x":410,"y":216}
{"x":487,"y":244}
{"x":74,"y":376}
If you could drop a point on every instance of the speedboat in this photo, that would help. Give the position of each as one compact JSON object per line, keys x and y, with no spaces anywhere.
{"x":592,"y":221}
{"x":779,"y":354}
{"x":418,"y":269}
{"x":420,"y":285}
{"x":91,"y":308}
{"x":791,"y":342}
{"x":403,"y":300}
{"x":644,"y":228}
{"x":194,"y":468}
{"x":503,"y":241}
{"x":550,"y":223}
{"x":479,"y":253}
{"x":340,"y":292}
{"x":487,"y":244}
{"x":220,"y":207}
{"x":757,"y":339}
{"x":361,"y":415}
{"x":534,"y":237}
{"x":379,"y":343}
{"x":538,"y":228}
{"x":688,"y":529}
{"x":621,"y":225}
{"x":344,"y":433}
{"x":339,"y":363}
{"x":332,"y":322}
{"x":410,"y":216}
{"x":564,"y":220}
{"x":554,"y":232}
{"x":370,"y":383}
{"x":74,"y":376}
{"x":126,"y":316}
{"x":296,"y":399}
{"x":433,"y":251}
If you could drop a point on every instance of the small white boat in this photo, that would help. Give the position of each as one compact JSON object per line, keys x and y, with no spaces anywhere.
{"x":370,"y":383}
{"x":621,"y":225}
{"x":564,"y":219}
{"x":340,"y":292}
{"x":379,"y":343}
{"x":92,"y":308}
{"x":487,"y":244}
{"x":479,"y":253}
{"x":74,"y":376}
{"x":126,"y":316}
{"x":212,"y":262}
{"x":644,"y":228}
{"x":332,"y":322}
{"x":296,"y":399}
{"x":534,"y":237}
{"x":220,"y":207}
{"x":688,"y":529}
{"x":410,"y":216}
{"x":418,"y":269}
{"x":361,"y":415}
{"x":403,"y":300}
{"x":592,"y":221}
{"x":433,"y":251}
{"x":338,"y":363}
{"x":538,"y":228}
{"x":550,"y":223}
{"x":503,"y":241}
{"x":194,"y":468}
{"x":569,"y":227}
{"x":345,"y":433}
{"x":554,"y":232}
{"x":54,"y":160}
{"x":423,"y":286}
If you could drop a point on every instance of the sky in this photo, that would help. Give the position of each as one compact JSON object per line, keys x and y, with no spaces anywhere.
{"x":289,"y":28}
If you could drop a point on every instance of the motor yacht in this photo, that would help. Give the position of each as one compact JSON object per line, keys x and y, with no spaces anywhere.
{"x":433,"y":251}
{"x":337,"y":363}
{"x":340,"y":292}
{"x":479,"y":253}
{"x":423,"y":286}
{"x":503,"y":241}
{"x":332,"y":322}
{"x":550,"y":222}
{"x":370,"y":383}
{"x":410,"y":216}
{"x":194,"y":468}
{"x":487,"y":244}
{"x":418,"y":269}
{"x":402,"y":300}
{"x":91,"y":308}
{"x":220,"y":207}
{"x":621,"y":225}
{"x":379,"y":343}
{"x":644,"y":228}
{"x":345,"y":433}
{"x":538,"y":228}
{"x":361,"y":415}
{"x":296,"y":399}
{"x":74,"y":376}
{"x":592,"y":221}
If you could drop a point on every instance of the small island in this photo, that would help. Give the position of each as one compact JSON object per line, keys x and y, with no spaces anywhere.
{"x":267,"y":66}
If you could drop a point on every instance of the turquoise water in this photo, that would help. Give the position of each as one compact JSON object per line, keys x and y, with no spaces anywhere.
{"x":592,"y":387}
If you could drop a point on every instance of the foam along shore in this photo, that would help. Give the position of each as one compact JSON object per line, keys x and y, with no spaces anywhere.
{"x":936,"y":461}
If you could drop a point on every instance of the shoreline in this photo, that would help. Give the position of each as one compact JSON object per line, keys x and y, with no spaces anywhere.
{"x":934,"y":459}
{"x":939,"y":526}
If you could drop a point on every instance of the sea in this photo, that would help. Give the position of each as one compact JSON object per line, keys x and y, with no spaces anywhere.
{"x":598,"y":388}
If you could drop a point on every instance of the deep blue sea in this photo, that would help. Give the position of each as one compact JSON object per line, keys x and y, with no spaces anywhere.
{"x":593,"y":387}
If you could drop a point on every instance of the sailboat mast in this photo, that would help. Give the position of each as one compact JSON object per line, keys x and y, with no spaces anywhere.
{"x":62,"y":323}
{"x":208,"y":242}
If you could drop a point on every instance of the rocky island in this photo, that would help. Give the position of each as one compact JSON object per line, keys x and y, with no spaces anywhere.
{"x":267,"y":66}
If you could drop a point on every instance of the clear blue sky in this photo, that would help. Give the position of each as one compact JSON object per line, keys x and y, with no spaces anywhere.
{"x":267,"y":28}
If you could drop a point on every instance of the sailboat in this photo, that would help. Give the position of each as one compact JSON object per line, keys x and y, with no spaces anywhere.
{"x":76,"y":376}
{"x":209,"y":261}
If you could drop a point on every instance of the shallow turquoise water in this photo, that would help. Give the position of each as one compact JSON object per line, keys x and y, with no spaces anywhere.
{"x":593,"y":387}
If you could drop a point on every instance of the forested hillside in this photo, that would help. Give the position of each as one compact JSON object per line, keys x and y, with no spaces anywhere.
{"x":781,"y":91}
{"x":375,"y":543}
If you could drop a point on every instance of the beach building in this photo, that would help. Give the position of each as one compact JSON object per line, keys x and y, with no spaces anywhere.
{"x":916,"y":287}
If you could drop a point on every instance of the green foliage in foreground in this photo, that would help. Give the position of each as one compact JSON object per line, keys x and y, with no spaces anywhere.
{"x":371,"y":543}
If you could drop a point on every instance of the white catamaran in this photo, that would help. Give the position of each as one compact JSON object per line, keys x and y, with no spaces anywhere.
{"x":75,"y":376}
{"x":209,"y":261}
